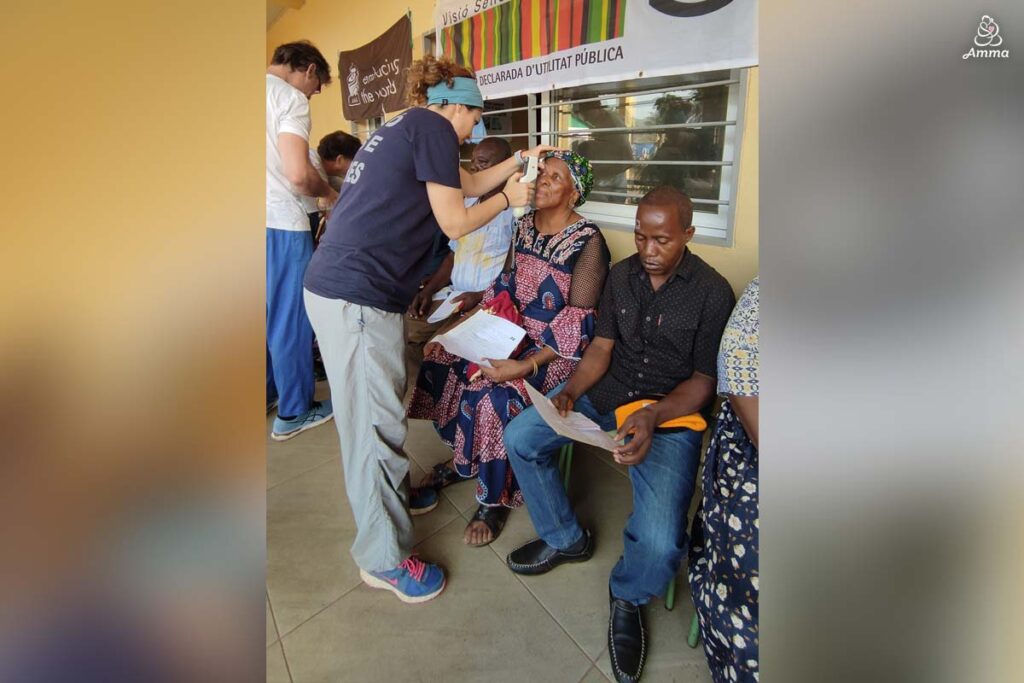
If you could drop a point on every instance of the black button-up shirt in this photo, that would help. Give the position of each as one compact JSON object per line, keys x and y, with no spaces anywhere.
{"x":661,"y":337}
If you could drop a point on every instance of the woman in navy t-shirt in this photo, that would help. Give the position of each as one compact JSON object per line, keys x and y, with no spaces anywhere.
{"x":403,"y":186}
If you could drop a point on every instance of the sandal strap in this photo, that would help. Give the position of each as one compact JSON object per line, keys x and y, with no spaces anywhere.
{"x":494,"y":517}
{"x":444,"y":475}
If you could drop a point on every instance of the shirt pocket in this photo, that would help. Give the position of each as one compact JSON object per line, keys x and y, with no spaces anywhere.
{"x":676,"y":336}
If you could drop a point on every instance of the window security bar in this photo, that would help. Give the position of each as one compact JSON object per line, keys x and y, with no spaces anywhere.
{"x":636,"y":162}
{"x":633,"y":195}
{"x":612,"y":96}
{"x":574,"y":132}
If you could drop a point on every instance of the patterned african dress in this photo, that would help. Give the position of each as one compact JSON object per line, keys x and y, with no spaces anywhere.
{"x":471,"y":416}
{"x":723,"y":554}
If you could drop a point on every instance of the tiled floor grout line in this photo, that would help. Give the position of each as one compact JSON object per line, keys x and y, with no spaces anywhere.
{"x":596,"y":668}
{"x":292,"y":478}
{"x":287,"y":666}
{"x":439,"y":529}
{"x":557,"y":622}
{"x":282,"y":636}
{"x":494,"y":550}
{"x":278,"y":642}
{"x":273,"y":617}
{"x":315,"y":614}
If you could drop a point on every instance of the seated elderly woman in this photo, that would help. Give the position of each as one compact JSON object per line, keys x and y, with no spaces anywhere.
{"x":554,"y":276}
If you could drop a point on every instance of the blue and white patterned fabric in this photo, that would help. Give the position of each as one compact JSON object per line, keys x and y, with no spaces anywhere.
{"x":480,"y":255}
{"x":737,"y":355}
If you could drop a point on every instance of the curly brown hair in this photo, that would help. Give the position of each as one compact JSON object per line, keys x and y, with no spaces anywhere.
{"x":430,"y":71}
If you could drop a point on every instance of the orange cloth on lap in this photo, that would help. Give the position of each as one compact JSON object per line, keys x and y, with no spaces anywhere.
{"x":693,"y":421}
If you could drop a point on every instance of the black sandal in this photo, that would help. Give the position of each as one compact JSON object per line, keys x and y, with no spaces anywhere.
{"x":441,"y":476}
{"x":493,"y":517}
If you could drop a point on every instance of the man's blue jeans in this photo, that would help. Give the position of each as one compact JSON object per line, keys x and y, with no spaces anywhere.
{"x":655,"y":534}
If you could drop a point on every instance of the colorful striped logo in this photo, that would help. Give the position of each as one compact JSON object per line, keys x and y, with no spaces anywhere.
{"x":523,"y":29}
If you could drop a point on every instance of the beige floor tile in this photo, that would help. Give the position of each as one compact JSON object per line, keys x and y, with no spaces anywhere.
{"x":595,"y":676}
{"x":287,"y":460}
{"x":309,"y":530}
{"x":670,"y":659}
{"x":271,"y":629}
{"x":308,"y":450}
{"x":445,"y":514}
{"x":460,"y":636}
{"x":577,"y":594}
{"x":277,"y":670}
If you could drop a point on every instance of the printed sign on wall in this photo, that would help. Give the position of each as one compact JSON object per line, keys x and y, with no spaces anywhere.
{"x":524,"y":46}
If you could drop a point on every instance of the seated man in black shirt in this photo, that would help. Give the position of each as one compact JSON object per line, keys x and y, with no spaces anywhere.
{"x":656,"y":342}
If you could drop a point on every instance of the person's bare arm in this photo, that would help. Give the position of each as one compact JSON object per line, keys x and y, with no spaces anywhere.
{"x":457,"y":220}
{"x":746,"y":408}
{"x":299,"y":171}
{"x":482,"y":182}
{"x":505,"y":370}
{"x":593,"y":366}
{"x":441,"y":277}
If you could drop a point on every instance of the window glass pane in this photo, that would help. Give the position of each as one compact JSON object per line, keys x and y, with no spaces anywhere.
{"x":503,"y":123}
{"x":657,"y":136}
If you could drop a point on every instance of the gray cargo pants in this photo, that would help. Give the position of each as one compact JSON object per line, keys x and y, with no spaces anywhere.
{"x":363,"y":351}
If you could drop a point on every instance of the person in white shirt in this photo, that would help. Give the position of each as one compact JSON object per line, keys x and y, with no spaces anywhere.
{"x":296,"y":73}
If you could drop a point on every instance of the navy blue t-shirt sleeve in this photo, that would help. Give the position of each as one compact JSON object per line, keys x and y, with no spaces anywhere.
{"x":435,"y":154}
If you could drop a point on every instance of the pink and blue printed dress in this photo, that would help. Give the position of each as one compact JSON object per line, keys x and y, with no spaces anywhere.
{"x":555,"y":282}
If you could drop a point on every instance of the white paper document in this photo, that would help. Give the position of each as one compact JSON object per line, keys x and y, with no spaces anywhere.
{"x":441,"y":294}
{"x":446,"y":309}
{"x":575,"y":425}
{"x":481,"y":336}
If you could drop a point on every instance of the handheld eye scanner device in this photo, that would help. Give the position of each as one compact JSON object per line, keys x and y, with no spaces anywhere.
{"x":528,"y":177}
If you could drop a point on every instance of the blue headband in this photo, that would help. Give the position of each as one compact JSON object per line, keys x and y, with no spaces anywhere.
{"x":465,"y":91}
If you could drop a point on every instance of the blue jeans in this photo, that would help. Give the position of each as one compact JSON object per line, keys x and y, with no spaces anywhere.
{"x":289,"y":334}
{"x":655,"y":533}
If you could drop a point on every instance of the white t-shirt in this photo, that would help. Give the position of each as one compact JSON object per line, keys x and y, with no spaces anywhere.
{"x":287,"y":112}
{"x":309,"y":203}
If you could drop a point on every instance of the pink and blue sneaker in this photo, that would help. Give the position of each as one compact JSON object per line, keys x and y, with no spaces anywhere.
{"x":412,"y":581}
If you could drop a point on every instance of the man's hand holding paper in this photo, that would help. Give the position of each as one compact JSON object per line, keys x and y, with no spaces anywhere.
{"x":576,"y":426}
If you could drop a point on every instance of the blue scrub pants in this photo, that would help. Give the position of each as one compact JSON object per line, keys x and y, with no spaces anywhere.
{"x":289,"y":334}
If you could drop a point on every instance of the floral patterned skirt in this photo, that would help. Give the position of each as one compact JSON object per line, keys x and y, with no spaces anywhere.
{"x":470,"y":417}
{"x":723,"y":553}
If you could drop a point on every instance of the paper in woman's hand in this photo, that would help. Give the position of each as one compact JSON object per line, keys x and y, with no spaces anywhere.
{"x":576,"y":426}
{"x":481,"y":336}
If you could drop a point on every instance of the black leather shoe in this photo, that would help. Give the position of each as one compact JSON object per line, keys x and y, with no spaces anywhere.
{"x":627,"y":640}
{"x":537,"y":557}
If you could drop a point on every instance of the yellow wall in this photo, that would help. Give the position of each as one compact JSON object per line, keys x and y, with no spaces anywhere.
{"x":333,"y":26}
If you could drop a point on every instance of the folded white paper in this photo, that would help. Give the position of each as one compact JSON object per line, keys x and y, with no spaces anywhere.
{"x":576,"y":426}
{"x":446,"y":309}
{"x":481,"y":336}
